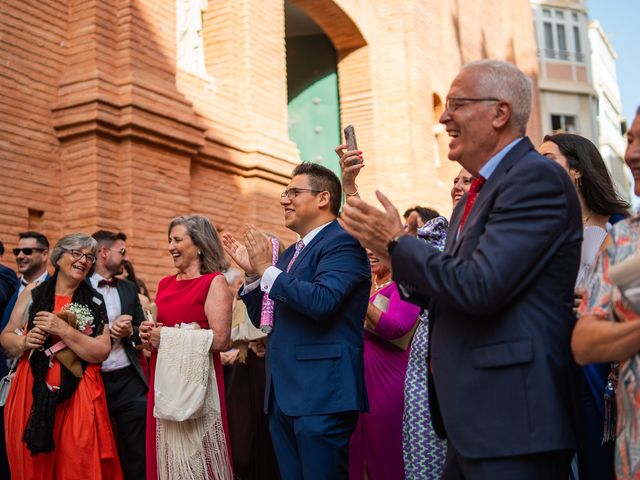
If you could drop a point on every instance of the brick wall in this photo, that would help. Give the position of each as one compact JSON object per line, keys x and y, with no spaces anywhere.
{"x":100,"y":130}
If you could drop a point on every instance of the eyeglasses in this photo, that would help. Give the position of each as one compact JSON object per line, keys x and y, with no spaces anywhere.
{"x":27,"y":251}
{"x":453,"y":103}
{"x":294,"y":192}
{"x":77,"y":255}
{"x":122,"y":251}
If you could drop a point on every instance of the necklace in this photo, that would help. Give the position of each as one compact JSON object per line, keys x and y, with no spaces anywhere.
{"x":378,"y":286}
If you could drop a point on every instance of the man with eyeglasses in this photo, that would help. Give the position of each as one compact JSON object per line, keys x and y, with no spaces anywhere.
{"x":314,"y":388}
{"x":124,"y":382}
{"x":502,"y":381}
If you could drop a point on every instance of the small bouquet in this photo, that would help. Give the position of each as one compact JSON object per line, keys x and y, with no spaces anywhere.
{"x":79,"y":317}
{"x":83,"y":316}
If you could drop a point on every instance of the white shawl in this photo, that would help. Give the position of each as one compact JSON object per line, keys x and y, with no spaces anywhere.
{"x":190,"y":441}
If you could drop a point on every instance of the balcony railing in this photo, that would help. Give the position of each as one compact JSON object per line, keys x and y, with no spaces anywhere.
{"x":564,"y":55}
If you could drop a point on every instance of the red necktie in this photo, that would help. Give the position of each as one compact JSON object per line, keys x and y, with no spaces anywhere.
{"x":476,"y":185}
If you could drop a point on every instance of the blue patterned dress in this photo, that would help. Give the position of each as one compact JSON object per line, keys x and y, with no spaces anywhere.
{"x":423,"y":451}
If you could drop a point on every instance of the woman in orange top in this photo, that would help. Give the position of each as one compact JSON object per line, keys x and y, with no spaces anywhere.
{"x":56,"y":418}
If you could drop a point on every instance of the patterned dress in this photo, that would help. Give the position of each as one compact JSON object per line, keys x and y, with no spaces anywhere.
{"x":424,"y":452}
{"x":603,"y":300}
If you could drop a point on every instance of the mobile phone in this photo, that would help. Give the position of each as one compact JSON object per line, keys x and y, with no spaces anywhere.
{"x":350,"y":137}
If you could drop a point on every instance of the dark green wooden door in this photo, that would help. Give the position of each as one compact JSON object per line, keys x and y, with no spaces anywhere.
{"x":314,"y":104}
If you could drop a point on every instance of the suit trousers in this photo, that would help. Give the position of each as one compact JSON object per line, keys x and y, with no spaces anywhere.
{"x":553,"y":465}
{"x":127,"y":402}
{"x":312,"y":447}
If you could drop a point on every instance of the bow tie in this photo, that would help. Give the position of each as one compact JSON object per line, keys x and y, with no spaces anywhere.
{"x":107,"y":283}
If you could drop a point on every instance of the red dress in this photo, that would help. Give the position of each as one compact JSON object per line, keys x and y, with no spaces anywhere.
{"x":180,"y":301}
{"x":84,"y":445}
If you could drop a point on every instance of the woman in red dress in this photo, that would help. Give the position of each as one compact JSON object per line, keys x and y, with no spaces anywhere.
{"x":56,"y":417}
{"x":198,"y":293}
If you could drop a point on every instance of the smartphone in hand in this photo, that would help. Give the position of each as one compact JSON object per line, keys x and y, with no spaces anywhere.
{"x":350,"y":137}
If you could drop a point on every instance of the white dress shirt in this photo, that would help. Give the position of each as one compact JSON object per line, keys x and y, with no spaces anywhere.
{"x":117,"y":357}
{"x":37,"y":281}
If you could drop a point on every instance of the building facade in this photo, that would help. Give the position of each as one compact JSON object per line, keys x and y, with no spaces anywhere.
{"x":611,"y":123}
{"x":568,"y":101}
{"x":122,"y":114}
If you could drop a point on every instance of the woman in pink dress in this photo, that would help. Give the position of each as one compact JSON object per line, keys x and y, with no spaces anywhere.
{"x":376,"y":444}
{"x":198,"y":293}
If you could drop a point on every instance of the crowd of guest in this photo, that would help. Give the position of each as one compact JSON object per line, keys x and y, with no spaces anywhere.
{"x":494,"y":344}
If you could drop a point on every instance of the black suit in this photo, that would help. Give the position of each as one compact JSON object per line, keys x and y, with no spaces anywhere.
{"x":502,"y":312}
{"x":126,"y":390}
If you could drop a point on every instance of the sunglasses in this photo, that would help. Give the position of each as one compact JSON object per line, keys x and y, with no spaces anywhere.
{"x":27,"y":251}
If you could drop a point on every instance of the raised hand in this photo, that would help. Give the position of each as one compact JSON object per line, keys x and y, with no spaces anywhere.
{"x":351,"y":163}
{"x":237,"y":252}
{"x":259,"y":249}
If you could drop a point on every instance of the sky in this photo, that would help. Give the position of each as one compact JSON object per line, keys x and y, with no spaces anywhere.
{"x":620,"y":19}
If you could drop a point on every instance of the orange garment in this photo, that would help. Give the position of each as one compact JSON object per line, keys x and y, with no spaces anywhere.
{"x":84,"y":444}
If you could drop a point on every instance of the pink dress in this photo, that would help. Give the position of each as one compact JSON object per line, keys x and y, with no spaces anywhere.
{"x":180,"y":301}
{"x":376,"y":444}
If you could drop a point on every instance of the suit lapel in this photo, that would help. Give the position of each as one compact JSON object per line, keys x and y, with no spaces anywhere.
{"x":517,"y":152}
{"x":307,"y":248}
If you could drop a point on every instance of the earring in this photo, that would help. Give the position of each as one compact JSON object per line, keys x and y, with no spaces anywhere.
{"x":578,"y":183}
{"x":199,"y":253}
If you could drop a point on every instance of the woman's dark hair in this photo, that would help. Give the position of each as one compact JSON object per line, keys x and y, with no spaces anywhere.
{"x":131,"y":276}
{"x":425,"y":213}
{"x":595,"y":184}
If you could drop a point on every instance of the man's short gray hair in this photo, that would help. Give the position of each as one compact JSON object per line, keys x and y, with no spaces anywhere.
{"x":507,"y":82}
{"x":73,"y":241}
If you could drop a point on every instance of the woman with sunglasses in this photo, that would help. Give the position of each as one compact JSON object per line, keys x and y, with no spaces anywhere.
{"x":56,"y":417}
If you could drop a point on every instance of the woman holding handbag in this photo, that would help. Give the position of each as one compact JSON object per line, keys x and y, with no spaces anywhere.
{"x":56,"y":418}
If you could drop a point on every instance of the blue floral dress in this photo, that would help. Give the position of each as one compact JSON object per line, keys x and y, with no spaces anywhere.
{"x":424,"y":453}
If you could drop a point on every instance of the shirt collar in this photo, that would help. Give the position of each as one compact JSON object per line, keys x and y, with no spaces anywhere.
{"x":311,"y":235}
{"x":95,"y":279}
{"x":488,"y":168}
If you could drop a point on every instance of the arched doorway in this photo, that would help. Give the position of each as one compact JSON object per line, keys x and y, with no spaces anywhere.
{"x":312,"y":84}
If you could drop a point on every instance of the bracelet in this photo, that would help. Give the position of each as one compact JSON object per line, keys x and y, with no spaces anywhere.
{"x":352,"y":194}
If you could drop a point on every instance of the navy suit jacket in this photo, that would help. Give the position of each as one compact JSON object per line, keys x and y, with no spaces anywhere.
{"x":501,"y":311}
{"x":8,"y":287}
{"x":314,"y":355}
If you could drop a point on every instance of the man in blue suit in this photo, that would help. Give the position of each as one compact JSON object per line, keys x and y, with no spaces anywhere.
{"x":500,"y":294}
{"x":315,"y":368}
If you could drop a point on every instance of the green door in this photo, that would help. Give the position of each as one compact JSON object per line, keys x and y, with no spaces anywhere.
{"x":314,"y":104}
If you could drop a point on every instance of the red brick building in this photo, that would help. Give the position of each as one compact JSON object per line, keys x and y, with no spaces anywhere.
{"x":101,"y":129}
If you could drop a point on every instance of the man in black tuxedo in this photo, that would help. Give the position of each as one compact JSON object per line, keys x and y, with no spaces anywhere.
{"x":124,"y":381}
{"x":501,"y":294}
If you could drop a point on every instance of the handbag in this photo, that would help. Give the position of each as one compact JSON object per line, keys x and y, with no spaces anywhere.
{"x":5,"y":383}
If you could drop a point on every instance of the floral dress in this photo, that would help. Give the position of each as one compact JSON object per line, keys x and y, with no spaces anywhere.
{"x":423,"y":451}
{"x":604,"y":300}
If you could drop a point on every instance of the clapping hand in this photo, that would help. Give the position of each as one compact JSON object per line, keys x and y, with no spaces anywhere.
{"x":238,"y":252}
{"x":259,"y":249}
